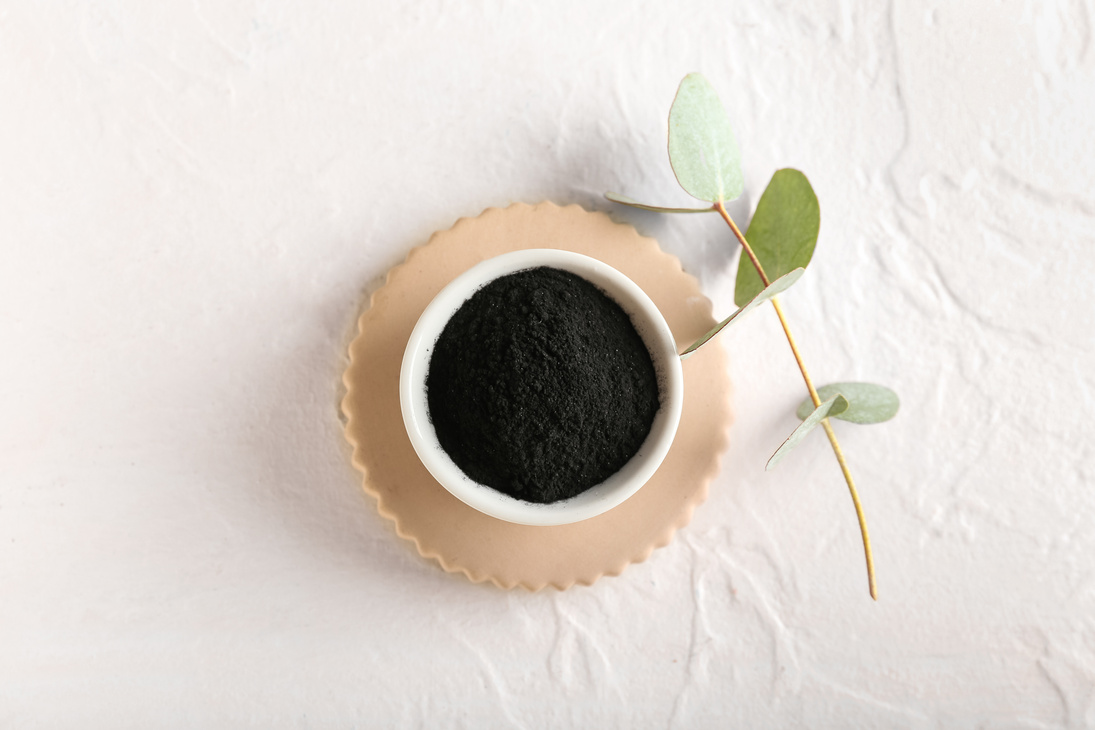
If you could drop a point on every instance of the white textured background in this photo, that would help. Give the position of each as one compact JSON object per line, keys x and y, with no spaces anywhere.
{"x":195,"y":197}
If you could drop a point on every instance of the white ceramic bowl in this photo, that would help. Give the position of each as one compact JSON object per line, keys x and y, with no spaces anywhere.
{"x":601,"y":497}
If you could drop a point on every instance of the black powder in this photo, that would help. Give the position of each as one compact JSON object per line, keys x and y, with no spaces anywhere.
{"x":540,"y":387}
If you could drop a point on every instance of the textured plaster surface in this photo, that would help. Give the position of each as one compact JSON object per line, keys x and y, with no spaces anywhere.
{"x":195,"y":197}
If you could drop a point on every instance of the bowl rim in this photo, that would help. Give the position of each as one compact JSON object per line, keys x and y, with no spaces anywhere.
{"x":599,"y":498}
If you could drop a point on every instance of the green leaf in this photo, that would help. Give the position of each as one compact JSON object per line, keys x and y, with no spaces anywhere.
{"x":702,"y":148}
{"x":623,"y":199}
{"x":782,"y":234}
{"x":832,"y":407}
{"x":870,"y":403}
{"x":778,"y":286}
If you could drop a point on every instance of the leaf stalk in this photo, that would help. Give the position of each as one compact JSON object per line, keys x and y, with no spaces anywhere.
{"x":872,"y":587}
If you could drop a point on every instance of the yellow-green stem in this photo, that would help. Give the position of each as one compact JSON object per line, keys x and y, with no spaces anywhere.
{"x":813,"y":396}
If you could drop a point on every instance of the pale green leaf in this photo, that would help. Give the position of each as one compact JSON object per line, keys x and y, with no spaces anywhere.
{"x":624,"y":200}
{"x":831,"y":407}
{"x":778,"y":286}
{"x":702,"y":148}
{"x":869,"y":403}
{"x":782,"y":234}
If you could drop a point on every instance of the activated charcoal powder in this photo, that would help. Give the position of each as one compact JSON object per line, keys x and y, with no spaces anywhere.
{"x":540,"y":387}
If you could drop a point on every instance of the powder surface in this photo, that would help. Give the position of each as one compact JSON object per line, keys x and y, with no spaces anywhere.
{"x":540,"y":387}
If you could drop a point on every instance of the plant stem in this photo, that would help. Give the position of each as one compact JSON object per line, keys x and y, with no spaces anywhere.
{"x":814,"y":397}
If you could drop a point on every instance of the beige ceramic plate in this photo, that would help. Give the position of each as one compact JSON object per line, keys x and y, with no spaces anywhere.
{"x":484,"y":548}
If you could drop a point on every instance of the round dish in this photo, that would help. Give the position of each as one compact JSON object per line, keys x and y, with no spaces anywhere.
{"x":465,"y":540}
{"x":601,"y":497}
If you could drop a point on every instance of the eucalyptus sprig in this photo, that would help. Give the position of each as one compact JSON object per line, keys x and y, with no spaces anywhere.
{"x":778,"y":246}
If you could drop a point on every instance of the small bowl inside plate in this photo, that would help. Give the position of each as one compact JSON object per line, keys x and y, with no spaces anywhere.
{"x":599,"y":498}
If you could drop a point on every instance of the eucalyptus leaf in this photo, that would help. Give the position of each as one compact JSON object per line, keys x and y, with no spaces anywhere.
{"x":869,"y":403}
{"x":831,"y":407}
{"x":782,"y":234}
{"x":778,"y":286}
{"x":624,"y":200}
{"x":702,"y":148}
